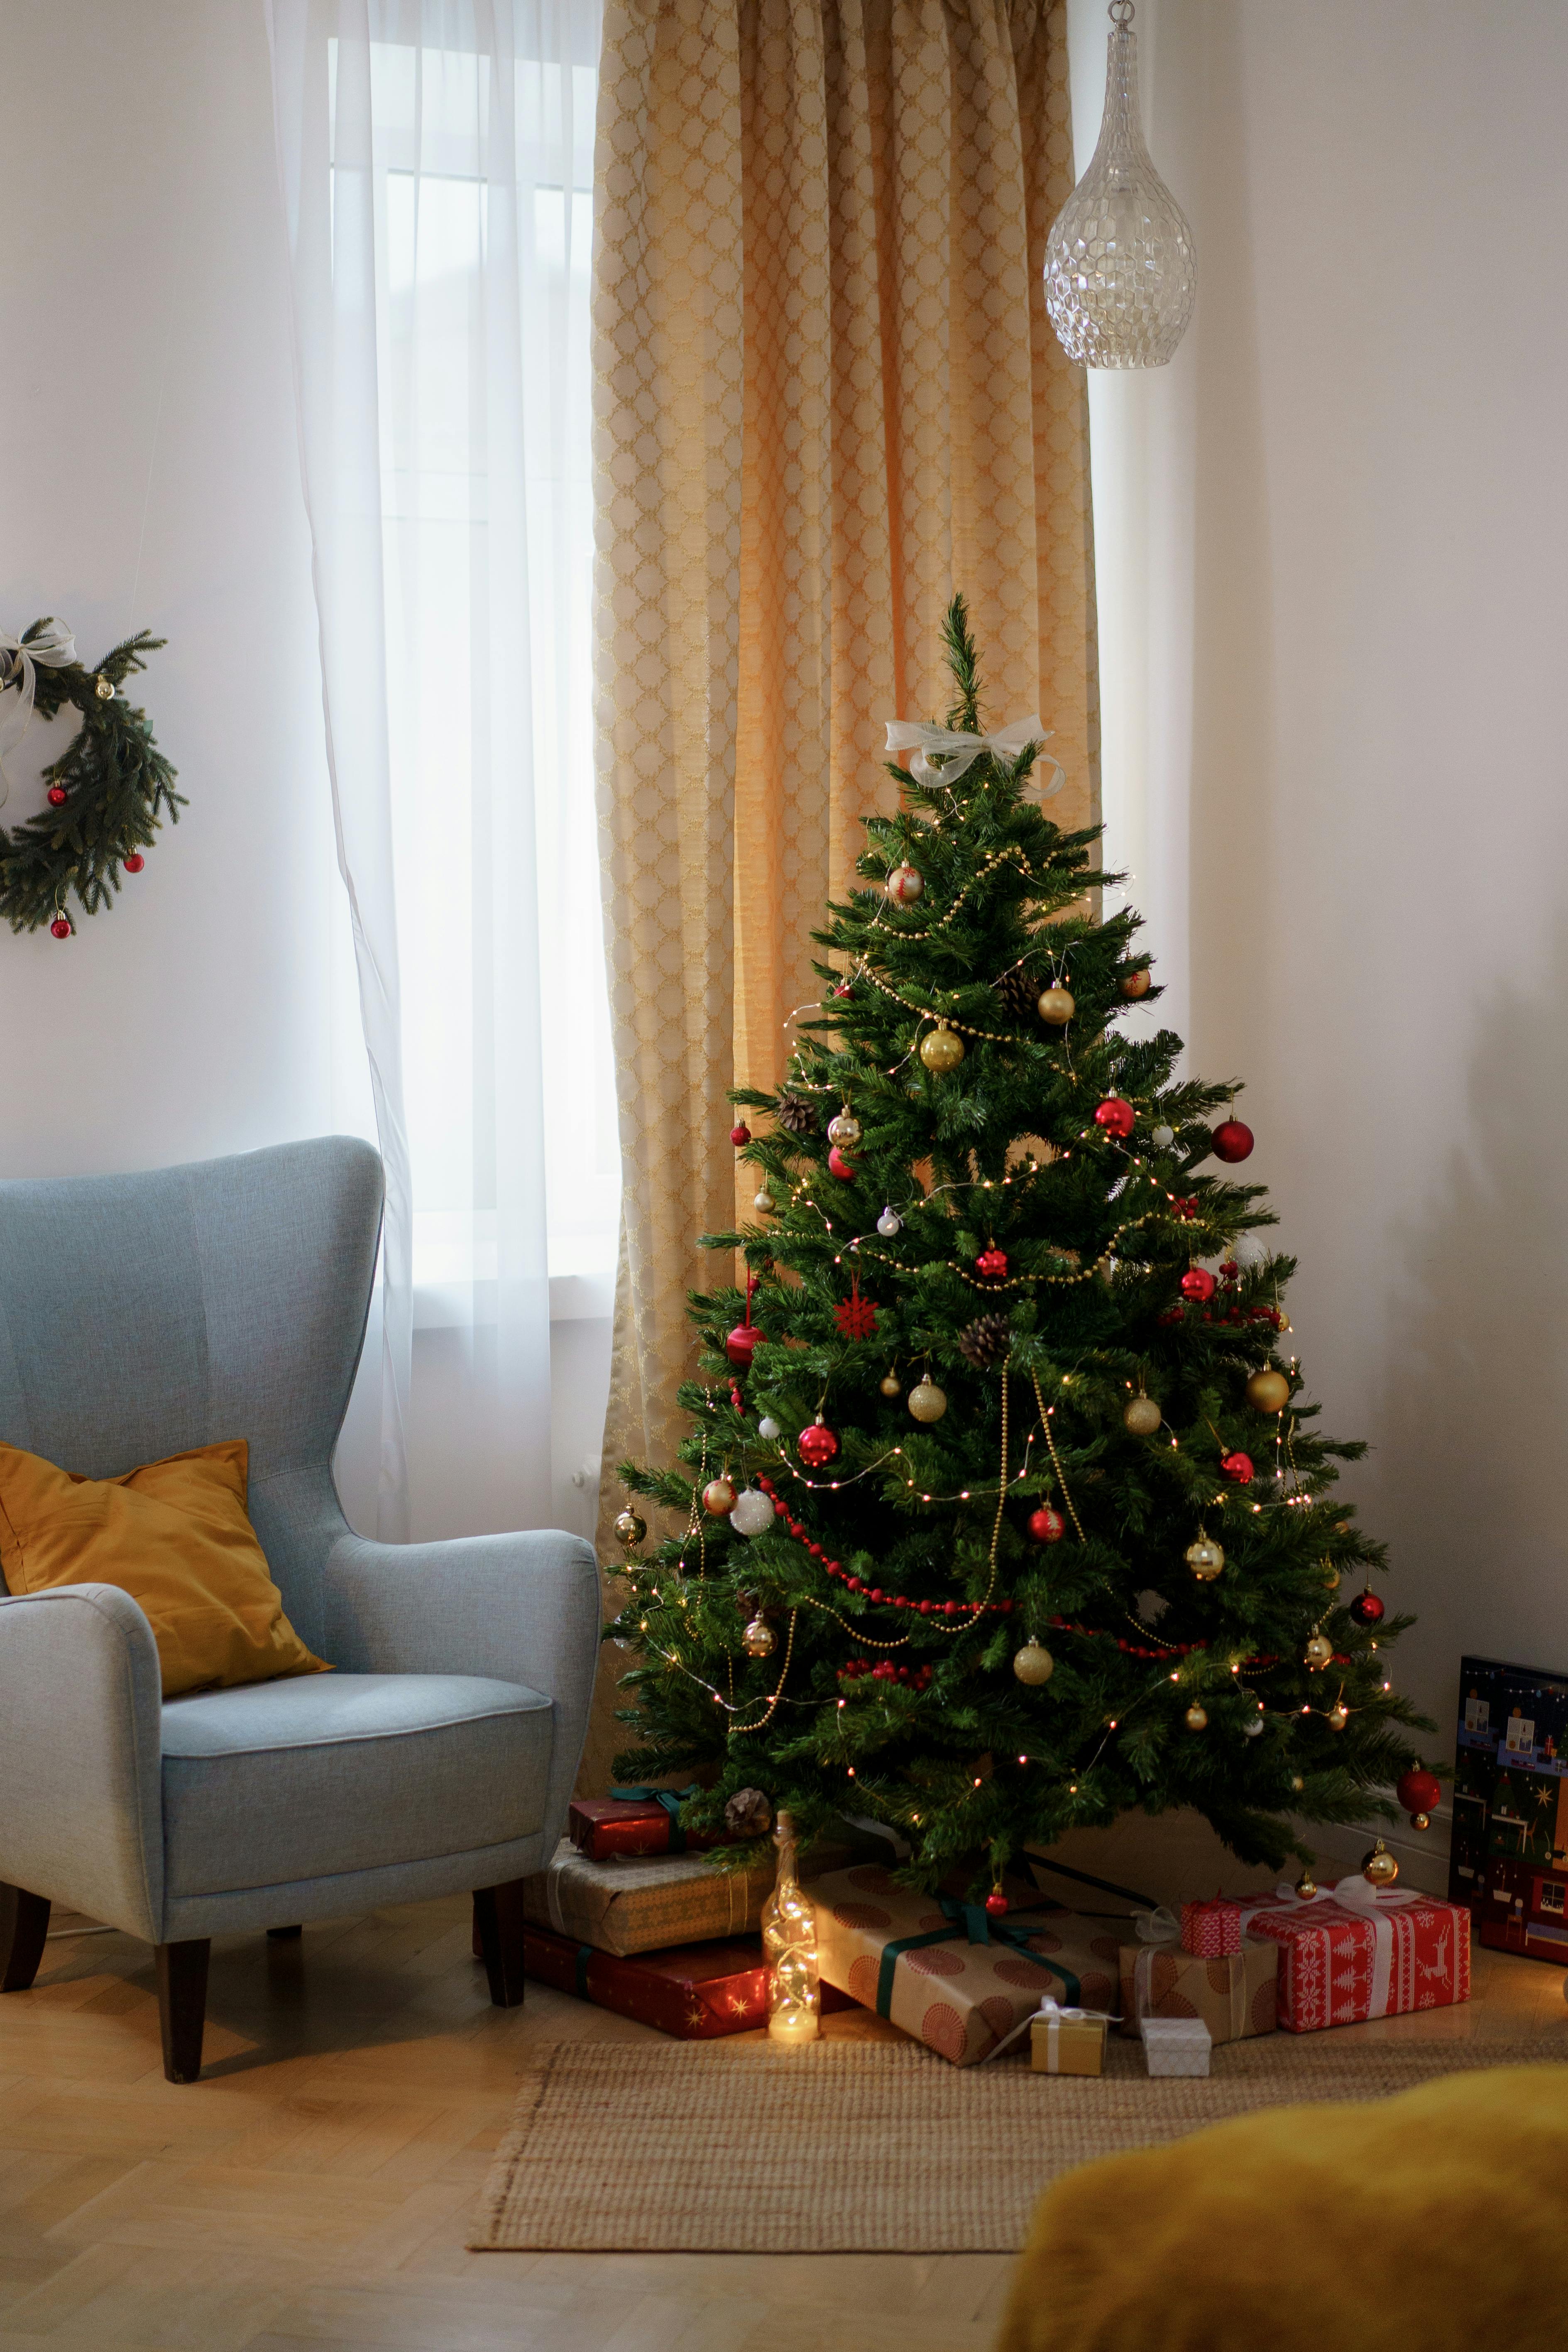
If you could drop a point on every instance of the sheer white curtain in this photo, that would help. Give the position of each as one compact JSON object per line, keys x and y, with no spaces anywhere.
{"x":436,"y":161}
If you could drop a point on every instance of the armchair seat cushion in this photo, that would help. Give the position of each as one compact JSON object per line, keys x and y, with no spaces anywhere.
{"x":284,"y":1781}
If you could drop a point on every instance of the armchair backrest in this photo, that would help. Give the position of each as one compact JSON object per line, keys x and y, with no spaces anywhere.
{"x":143,"y":1315}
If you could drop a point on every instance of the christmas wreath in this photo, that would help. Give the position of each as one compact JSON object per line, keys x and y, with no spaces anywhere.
{"x":107,"y":791}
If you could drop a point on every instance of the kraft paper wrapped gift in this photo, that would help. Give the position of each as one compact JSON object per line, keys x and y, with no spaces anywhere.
{"x":944,"y":1972}
{"x":1354,"y":1951}
{"x":1235,"y":1996}
{"x":644,"y":1903}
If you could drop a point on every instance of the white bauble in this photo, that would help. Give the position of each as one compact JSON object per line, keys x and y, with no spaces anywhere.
{"x":1252,"y":1728}
{"x":1250,"y":1249}
{"x":752,"y":1513}
{"x":1162,"y":1137}
{"x":769,"y":1428}
{"x":762,"y":1200}
{"x":888,"y":1224}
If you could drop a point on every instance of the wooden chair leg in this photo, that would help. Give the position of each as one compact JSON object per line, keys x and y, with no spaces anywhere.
{"x":183,"y":2006}
{"x":497,"y":1914}
{"x":23,"y":1923}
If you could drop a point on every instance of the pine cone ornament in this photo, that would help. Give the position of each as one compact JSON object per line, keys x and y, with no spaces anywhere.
{"x":748,"y":1814}
{"x":1019,"y":992}
{"x":796,"y":1115}
{"x":985,"y":1341}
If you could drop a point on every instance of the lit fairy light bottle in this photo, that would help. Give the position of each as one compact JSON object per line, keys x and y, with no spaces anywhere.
{"x":789,"y":1939}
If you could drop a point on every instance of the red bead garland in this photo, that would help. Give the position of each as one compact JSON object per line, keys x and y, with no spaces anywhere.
{"x":874,"y":1592}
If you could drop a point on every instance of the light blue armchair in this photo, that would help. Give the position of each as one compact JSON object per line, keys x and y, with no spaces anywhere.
{"x":143,"y":1315}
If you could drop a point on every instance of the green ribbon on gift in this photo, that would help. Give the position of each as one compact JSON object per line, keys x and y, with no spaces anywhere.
{"x":670,"y":1798}
{"x":974,"y":1921}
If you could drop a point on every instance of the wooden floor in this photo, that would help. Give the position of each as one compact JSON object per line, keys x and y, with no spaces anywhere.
{"x":314,"y":2188}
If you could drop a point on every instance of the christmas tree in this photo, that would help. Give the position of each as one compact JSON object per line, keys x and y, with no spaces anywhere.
{"x":1004,"y":1509}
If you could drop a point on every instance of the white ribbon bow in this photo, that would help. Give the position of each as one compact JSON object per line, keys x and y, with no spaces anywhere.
{"x":958,"y":751}
{"x":1057,"y":2017}
{"x":54,"y":646}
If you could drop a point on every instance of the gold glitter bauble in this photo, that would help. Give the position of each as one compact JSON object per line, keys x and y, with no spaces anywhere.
{"x":1267,"y":1392}
{"x":1206,"y":1559}
{"x":942,"y":1049}
{"x":1033,"y":1664}
{"x":1056,"y":1005}
{"x":1379,"y":1867}
{"x":1318,"y":1652}
{"x":927,"y":1401}
{"x":630,"y":1529}
{"x":1143,"y":1416}
{"x":1198,"y":1717}
{"x":758,"y":1638}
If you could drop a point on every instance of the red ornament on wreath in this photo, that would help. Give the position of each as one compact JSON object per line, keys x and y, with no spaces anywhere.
{"x":817,"y":1445}
{"x":1418,"y":1791}
{"x":1237,"y":1467}
{"x":1197,"y":1282}
{"x":1047,"y":1526}
{"x":1115,"y":1116}
{"x":1367,"y":1610}
{"x":840,"y":1167}
{"x":856,"y":1317}
{"x":1232,"y":1140}
{"x":991,"y":1265}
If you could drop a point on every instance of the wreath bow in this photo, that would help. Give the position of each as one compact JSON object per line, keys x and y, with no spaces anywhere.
{"x":54,"y":646}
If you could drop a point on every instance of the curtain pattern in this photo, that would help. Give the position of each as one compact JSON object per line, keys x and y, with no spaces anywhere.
{"x":827,"y":394}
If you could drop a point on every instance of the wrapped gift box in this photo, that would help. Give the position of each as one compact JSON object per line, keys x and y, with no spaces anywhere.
{"x":1070,"y":2042}
{"x":1235,"y":1996}
{"x":636,"y":1823}
{"x":1176,"y":2045}
{"x":1352,"y":1953}
{"x":644,"y":1904}
{"x":912,"y":1959}
{"x":696,"y":1993}
{"x":1210,"y":1930}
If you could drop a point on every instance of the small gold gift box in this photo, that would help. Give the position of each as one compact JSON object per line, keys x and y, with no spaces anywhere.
{"x":1066,"y":2042}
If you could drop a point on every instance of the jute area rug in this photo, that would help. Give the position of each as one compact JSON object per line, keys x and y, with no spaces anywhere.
{"x":867,"y":2148}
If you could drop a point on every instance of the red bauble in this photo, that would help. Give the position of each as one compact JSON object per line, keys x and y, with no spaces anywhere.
{"x":817,"y":1445}
{"x":59,"y":929}
{"x":1197,"y":1282}
{"x":741,"y":1345}
{"x":1367,"y":1610}
{"x":135,"y":862}
{"x":740,"y":1133}
{"x":996,"y":1903}
{"x":1238,"y":1466}
{"x":1231,"y":1140}
{"x":1047,"y":1526}
{"x":1115,"y":1116}
{"x":1418,"y":1791}
{"x":991,"y":1265}
{"x":843,"y":988}
{"x":840,"y":1167}
{"x":57,"y":796}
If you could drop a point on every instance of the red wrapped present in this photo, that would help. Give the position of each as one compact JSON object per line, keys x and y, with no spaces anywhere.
{"x":633,"y":1822}
{"x":1210,"y":1930}
{"x":1354,"y":1951}
{"x":695,"y":1993}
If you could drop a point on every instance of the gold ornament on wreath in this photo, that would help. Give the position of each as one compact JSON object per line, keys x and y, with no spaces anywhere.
{"x":108,"y":793}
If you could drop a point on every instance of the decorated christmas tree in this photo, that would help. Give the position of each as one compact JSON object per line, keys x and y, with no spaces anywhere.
{"x":1004,"y":1508}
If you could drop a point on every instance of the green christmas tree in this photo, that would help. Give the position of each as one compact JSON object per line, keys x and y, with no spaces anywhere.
{"x":1003,"y":1511}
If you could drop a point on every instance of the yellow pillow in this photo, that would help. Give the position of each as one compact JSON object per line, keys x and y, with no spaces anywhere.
{"x":173,"y":1535}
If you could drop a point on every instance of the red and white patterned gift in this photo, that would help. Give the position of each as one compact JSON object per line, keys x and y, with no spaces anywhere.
{"x":1354,"y":1951}
{"x":1212,"y":1930}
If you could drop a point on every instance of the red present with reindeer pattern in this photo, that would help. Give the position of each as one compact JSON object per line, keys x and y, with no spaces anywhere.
{"x":1352,"y":1952}
{"x":944,"y":1972}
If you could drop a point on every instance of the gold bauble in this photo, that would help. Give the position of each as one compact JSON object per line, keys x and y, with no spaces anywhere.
{"x":845,"y":1129}
{"x":927,"y":1401}
{"x":1198,"y":1717}
{"x":1339,"y":1716}
{"x":1143,"y":1416}
{"x":1267,"y":1392}
{"x":104,"y":691}
{"x":1318,"y":1652}
{"x":1379,"y":1867}
{"x":1056,"y":1005}
{"x":942,"y":1049}
{"x":758,"y":1638}
{"x":1135,"y":984}
{"x":1206,"y":1559}
{"x":1306,"y":1887}
{"x":1033,"y":1664}
{"x":1297,"y":1782}
{"x":630,"y":1529}
{"x":1420,"y":1821}
{"x":888,"y":1384}
{"x":1331,"y":1576}
{"x":762,"y":1199}
{"x":718,"y":1497}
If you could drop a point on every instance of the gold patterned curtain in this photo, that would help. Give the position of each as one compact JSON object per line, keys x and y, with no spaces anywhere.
{"x":827,"y":394}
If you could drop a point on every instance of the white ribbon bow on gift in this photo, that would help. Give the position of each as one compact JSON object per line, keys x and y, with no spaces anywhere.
{"x":55,"y":647}
{"x":1353,"y":1894}
{"x":1056,"y":2016}
{"x":958,"y":751}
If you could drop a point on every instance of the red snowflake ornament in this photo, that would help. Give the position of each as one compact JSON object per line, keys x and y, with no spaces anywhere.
{"x":856,"y":1317}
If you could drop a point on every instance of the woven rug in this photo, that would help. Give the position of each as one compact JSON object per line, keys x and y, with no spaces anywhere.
{"x":868,"y":2147}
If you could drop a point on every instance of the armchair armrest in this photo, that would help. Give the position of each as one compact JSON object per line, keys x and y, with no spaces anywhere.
{"x":81,"y":1807}
{"x":522,"y":1608}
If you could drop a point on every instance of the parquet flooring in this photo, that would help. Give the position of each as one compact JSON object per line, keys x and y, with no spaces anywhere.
{"x":314,"y":2188}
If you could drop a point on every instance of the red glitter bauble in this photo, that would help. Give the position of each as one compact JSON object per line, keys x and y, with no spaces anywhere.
{"x":1232,"y":1140}
{"x":741,"y":1345}
{"x":1238,"y":1466}
{"x":996,"y":1903}
{"x":740,"y":1133}
{"x":1418,"y":1791}
{"x":57,"y":796}
{"x":817,"y":1445}
{"x":1115,"y":1116}
{"x":1197,"y":1282}
{"x":59,"y":929}
{"x":135,"y":862}
{"x":1367,"y":1610}
{"x":991,"y":1265}
{"x":840,"y":1167}
{"x":1047,"y":1526}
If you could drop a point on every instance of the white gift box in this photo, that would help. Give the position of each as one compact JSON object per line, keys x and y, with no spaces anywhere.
{"x":1176,"y":2045}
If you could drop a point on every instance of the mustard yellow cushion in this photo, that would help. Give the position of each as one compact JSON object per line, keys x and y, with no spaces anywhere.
{"x":173,"y":1534}
{"x":1429,"y":2222}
